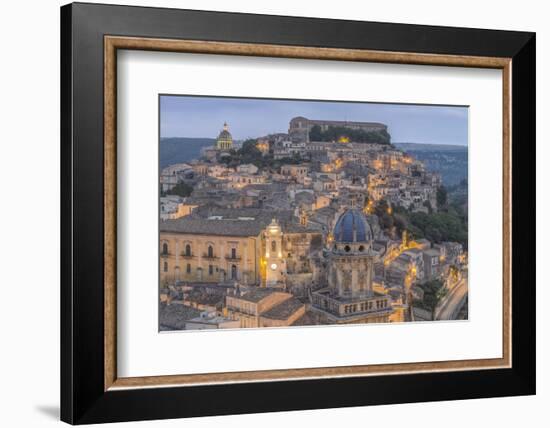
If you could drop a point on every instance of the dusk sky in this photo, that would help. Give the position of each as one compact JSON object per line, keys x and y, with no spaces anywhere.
{"x":191,"y":116}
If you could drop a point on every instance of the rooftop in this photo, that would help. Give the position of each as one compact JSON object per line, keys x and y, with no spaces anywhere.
{"x":258,"y":294}
{"x":283,"y":310}
{"x":174,"y":316}
{"x":213,"y":220}
{"x":223,"y":227}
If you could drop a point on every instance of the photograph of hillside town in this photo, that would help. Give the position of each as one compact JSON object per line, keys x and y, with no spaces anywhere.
{"x":305,"y":213}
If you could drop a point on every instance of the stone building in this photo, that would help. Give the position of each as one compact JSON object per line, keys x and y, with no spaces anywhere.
{"x":349,"y":297}
{"x":173,"y":174}
{"x":210,"y":250}
{"x":299,"y":127}
{"x":244,"y":245}
{"x":264,"y":307}
{"x":297,"y":172}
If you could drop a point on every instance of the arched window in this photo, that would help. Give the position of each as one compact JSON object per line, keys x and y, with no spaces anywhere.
{"x":210,"y":269}
{"x":210,"y":251}
{"x":233,"y":272}
{"x":274,"y":246}
{"x":233,"y":253}
{"x":165,"y":248}
{"x":188,"y":268}
{"x":165,"y":267}
{"x":188,"y":250}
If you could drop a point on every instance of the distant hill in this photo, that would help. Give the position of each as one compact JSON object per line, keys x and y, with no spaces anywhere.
{"x":412,"y":147}
{"x":450,"y":161}
{"x":177,"y":150}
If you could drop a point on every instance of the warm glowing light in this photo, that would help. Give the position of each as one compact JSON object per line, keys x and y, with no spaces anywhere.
{"x":262,"y":146}
{"x":343,"y":139}
{"x":369,"y":209}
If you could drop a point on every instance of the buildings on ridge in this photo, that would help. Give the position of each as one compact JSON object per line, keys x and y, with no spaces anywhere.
{"x":299,"y":127}
{"x":294,"y":239}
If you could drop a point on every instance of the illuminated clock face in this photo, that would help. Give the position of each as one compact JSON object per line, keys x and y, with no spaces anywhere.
{"x":274,"y":266}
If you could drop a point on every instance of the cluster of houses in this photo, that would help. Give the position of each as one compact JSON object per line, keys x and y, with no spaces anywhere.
{"x":218,"y":250}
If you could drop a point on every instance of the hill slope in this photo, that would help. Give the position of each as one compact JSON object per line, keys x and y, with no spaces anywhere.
{"x":450,"y":161}
{"x":177,"y":150}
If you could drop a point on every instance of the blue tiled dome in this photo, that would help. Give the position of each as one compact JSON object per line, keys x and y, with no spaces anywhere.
{"x":352,"y":226}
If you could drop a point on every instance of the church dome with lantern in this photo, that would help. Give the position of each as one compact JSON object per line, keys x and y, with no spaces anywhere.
{"x":351,"y":259}
{"x":225,"y":140}
{"x":352,"y":227}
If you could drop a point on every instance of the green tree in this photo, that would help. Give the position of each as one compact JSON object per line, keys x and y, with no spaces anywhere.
{"x":433,"y":292}
{"x":315,"y":133}
{"x":428,"y":205}
{"x":181,"y":189}
{"x":441,"y":197}
{"x":333,"y":133}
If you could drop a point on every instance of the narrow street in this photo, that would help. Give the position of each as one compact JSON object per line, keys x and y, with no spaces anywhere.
{"x":453,"y":301}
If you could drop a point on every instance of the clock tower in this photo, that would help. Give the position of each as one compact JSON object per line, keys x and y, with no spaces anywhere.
{"x":275,"y":263}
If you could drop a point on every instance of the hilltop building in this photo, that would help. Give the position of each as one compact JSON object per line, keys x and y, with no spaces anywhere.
{"x":299,"y":234}
{"x":299,"y":127}
{"x":225,"y":140}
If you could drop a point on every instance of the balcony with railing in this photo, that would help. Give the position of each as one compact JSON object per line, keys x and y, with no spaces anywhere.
{"x":186,"y":255}
{"x":210,"y":256}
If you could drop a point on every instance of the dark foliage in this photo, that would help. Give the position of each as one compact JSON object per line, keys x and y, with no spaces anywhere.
{"x":333,"y":133}
{"x":248,"y":153}
{"x":180,"y":189}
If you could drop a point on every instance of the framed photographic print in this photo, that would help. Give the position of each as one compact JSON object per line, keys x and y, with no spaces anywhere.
{"x":292,"y":213}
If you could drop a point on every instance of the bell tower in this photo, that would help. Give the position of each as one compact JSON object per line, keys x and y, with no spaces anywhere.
{"x":303,"y":217}
{"x":275,"y":263}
